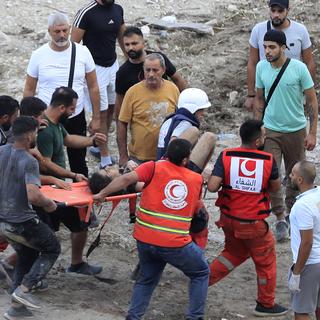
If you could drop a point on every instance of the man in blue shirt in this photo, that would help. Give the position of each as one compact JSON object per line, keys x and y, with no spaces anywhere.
{"x":284,"y":117}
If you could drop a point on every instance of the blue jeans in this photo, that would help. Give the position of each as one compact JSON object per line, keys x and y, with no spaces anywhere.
{"x":153,"y":259}
{"x":37,"y":248}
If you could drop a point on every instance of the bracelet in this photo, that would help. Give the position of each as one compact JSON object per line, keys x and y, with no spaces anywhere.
{"x":251,"y":95}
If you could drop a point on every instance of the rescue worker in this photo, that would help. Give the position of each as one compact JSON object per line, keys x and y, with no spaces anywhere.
{"x":168,"y":202}
{"x":246,"y":175}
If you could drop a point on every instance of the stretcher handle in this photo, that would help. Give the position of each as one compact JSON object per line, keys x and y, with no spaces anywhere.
{"x":61,"y":204}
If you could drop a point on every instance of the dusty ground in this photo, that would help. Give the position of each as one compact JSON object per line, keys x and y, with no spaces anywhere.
{"x":215,"y":63}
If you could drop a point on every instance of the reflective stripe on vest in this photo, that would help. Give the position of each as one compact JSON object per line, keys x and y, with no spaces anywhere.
{"x":166,"y":216}
{"x":159,"y":228}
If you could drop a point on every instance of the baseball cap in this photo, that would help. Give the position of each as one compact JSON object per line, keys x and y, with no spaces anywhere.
{"x":276,"y":36}
{"x":281,"y":3}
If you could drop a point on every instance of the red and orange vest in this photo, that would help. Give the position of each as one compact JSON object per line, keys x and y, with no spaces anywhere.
{"x":244,"y":193}
{"x":167,"y":206}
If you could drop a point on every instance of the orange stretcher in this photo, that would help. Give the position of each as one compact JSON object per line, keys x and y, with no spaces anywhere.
{"x":80,"y":196}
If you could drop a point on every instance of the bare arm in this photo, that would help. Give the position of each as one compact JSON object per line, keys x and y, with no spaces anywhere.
{"x":307,"y":58}
{"x":116,"y":185}
{"x":49,"y":180}
{"x":36,"y":198}
{"x":57,"y":170}
{"x":179,"y":81}
{"x":259,"y":104}
{"x":214,"y":183}
{"x":122,"y":128}
{"x":118,"y":103}
{"x":274,"y":185}
{"x":120,"y":39}
{"x":77,"y":34}
{"x":251,"y":76}
{"x":304,"y":250}
{"x":312,"y":102}
{"x":93,"y":88}
{"x":30,"y":86}
{"x":75,"y":141}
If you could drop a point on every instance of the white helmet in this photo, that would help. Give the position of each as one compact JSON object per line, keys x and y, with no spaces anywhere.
{"x":193,"y":99}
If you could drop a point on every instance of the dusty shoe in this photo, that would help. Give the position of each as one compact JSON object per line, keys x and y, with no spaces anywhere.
{"x":282,"y":230}
{"x":84,"y":268}
{"x":25,"y":298}
{"x":42,"y":285}
{"x":275,"y":311}
{"x":19,"y":312}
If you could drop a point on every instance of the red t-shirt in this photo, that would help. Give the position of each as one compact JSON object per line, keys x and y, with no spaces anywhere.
{"x":145,"y":171}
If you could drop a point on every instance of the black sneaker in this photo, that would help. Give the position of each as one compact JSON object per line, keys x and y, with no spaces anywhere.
{"x":84,"y":268}
{"x":275,"y":311}
{"x":17,"y":312}
{"x":25,"y":298}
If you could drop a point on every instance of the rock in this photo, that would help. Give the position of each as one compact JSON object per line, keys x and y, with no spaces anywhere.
{"x":4,"y":39}
{"x":233,"y":97}
{"x":145,"y":31}
{"x":232,"y":8}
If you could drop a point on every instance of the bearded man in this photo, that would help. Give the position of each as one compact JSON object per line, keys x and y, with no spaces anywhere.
{"x":284,"y":117}
{"x":298,"y":40}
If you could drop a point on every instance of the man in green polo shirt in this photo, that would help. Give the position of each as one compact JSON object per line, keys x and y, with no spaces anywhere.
{"x":51,"y":142}
{"x":284,"y":117}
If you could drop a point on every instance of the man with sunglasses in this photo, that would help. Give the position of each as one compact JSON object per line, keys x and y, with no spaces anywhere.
{"x":298,"y":41}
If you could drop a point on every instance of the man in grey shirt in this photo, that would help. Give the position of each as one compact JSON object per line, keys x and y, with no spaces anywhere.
{"x":36,"y":245}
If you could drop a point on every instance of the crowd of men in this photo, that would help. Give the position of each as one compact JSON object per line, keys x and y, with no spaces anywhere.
{"x":165,"y":160}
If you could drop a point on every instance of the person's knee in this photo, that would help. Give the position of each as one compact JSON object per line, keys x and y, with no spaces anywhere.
{"x":210,"y":139}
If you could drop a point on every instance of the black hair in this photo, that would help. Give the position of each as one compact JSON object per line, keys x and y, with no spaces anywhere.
{"x":178,"y":149}
{"x":23,"y":125}
{"x":32,"y":106}
{"x":98,"y":181}
{"x":63,"y":96}
{"x":250,"y":130}
{"x":8,"y":105}
{"x":130,"y":31}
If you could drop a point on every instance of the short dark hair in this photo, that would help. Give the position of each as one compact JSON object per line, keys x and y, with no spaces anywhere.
{"x":250,"y":130}
{"x":130,"y":31}
{"x":97,"y":182}
{"x":307,"y":170}
{"x":8,"y":105}
{"x":63,"y":96}
{"x":178,"y":149}
{"x":32,"y":106}
{"x":23,"y":125}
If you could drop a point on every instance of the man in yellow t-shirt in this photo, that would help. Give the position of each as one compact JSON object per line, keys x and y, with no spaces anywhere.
{"x":144,"y":108}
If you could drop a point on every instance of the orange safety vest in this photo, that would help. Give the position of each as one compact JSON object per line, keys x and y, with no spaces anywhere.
{"x":244,"y":193}
{"x":167,"y":206}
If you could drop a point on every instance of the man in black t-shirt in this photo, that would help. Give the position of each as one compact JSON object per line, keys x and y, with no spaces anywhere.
{"x":131,"y":72}
{"x":99,"y":24}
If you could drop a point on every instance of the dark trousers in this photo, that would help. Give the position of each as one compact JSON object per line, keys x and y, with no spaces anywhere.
{"x":37,"y":248}
{"x":77,"y":157}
